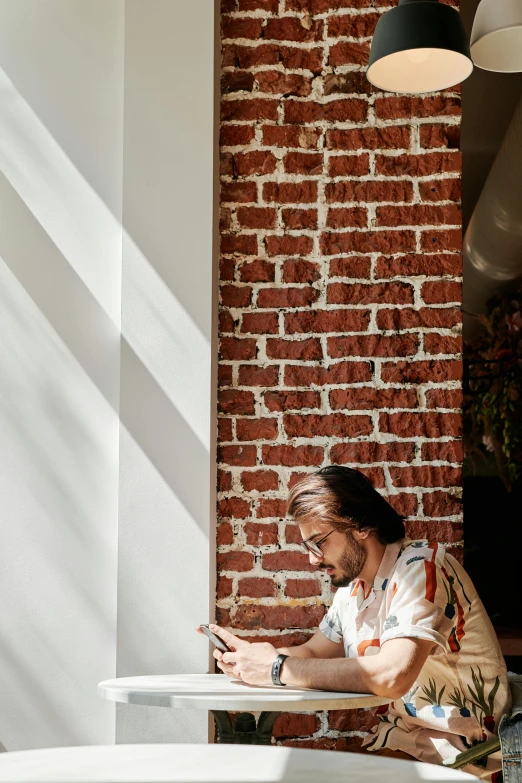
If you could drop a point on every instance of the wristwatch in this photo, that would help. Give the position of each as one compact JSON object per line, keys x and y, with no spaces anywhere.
{"x":276,"y":669}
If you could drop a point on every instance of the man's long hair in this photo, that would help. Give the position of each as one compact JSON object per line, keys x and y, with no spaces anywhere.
{"x":345,"y":499}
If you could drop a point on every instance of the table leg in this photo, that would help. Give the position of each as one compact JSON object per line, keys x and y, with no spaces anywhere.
{"x":244,"y":731}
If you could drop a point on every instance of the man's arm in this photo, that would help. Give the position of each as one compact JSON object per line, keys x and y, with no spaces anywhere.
{"x":390,"y":673}
{"x":318,"y":646}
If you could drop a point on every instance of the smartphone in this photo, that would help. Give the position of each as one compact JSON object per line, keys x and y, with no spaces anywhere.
{"x":216,"y":641}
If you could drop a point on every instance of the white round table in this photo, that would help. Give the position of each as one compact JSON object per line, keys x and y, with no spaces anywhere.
{"x":211,"y":764}
{"x":218,"y":693}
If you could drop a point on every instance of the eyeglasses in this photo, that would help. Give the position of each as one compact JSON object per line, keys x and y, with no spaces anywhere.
{"x":315,"y":546}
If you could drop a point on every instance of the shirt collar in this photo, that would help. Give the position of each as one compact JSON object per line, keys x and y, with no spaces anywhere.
{"x":389,"y":558}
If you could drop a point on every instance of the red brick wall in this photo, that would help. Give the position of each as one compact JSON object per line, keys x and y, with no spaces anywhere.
{"x":339,"y":305}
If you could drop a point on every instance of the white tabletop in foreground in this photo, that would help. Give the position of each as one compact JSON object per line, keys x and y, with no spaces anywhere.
{"x":211,"y":764}
{"x":219,"y":692}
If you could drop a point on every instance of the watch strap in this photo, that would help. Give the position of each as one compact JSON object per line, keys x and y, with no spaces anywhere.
{"x":276,"y":669}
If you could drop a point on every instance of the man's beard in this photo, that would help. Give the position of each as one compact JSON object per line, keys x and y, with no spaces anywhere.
{"x":351,"y":562}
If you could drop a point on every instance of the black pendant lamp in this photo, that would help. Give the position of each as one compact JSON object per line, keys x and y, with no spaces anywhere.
{"x":419,"y":46}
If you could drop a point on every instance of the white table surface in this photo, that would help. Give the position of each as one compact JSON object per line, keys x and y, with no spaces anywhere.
{"x":211,"y":764}
{"x":219,"y":692}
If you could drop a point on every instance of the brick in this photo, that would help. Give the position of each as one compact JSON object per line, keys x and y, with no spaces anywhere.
{"x":252,"y":375}
{"x":368,"y":191}
{"x":295,"y":725}
{"x":441,"y":190}
{"x":235,"y":561}
{"x":347,"y":166}
{"x":449,"y":451}
{"x":310,"y":163}
{"x":434,"y":371}
{"x":227,"y":268}
{"x":245,"y":244}
{"x":292,"y":533}
{"x":287,"y":561}
{"x":233,"y":508}
{"x":234,"y":135}
{"x":241,"y":27}
{"x":289,"y":245}
{"x":224,"y":429}
{"x":242,"y":192}
{"x":256,"y":217}
{"x":251,"y":617}
{"x":253,"y":109}
{"x":352,"y":25}
{"x":444,"y":398}
{"x":291,"y":400}
{"x":404,"y":503}
{"x":441,"y":504}
{"x":341,"y":372}
{"x":418,"y":165}
{"x":260,"y":323}
{"x":302,"y":588}
{"x":299,"y":218}
{"x":271,"y":507}
{"x":286,"y":297}
{"x":300,"y":271}
{"x":352,"y":720}
{"x":291,"y":136}
{"x":223,"y":587}
{"x":370,"y":398}
{"x":370,"y":138}
{"x":234,"y":401}
{"x":372,"y":345}
{"x":437,"y":264}
{"x":358,"y":267}
{"x":245,"y":456}
{"x":340,"y":110}
{"x":435,"y":530}
{"x":441,"y":292}
{"x":224,"y":479}
{"x":235,"y":296}
{"x":442,"y":344}
{"x":410,"y":318}
{"x":259,"y":480}
{"x":295,"y":478}
{"x":237,"y":348}
{"x":349,"y":53}
{"x":439,"y":135}
{"x":290,"y":57}
{"x":353,"y":82}
{"x":256,"y":429}
{"x":350,"y":217}
{"x":419,"y":214}
{"x":360,"y":293}
{"x":254,"y":163}
{"x":256,"y":587}
{"x":225,"y":220}
{"x":293,"y":455}
{"x":335,"y":425}
{"x":321,"y":6}
{"x":304,"y":350}
{"x":290,"y":192}
{"x":237,"y":81}
{"x":368,"y":452}
{"x":442,"y":240}
{"x":259,"y":271}
{"x":284,"y":84}
{"x":408,"y":107}
{"x":224,"y":375}
{"x":261,"y":534}
{"x":426,"y":476}
{"x":270,"y":6}
{"x":226,"y":322}
{"x":421,"y":425}
{"x":291,"y":28}
{"x":225,"y":534}
{"x":334,"y":244}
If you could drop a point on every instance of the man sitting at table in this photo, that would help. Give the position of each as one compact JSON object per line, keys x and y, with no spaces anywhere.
{"x":406,"y":623}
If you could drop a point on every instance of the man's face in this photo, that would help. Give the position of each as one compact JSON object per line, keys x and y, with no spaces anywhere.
{"x":343,"y":556}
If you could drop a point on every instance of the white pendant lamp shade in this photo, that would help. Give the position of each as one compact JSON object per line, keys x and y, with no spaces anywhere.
{"x":496,"y":38}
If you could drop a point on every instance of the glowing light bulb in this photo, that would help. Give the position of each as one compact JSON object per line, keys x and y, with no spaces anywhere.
{"x":417,"y":55}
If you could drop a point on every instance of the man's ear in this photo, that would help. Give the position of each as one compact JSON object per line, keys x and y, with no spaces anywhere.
{"x":359,"y":535}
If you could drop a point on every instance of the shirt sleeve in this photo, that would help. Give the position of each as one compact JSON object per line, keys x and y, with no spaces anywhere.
{"x":421,"y":605}
{"x":331,"y":625}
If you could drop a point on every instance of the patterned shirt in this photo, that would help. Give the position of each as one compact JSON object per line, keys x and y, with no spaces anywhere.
{"x":421,"y":591}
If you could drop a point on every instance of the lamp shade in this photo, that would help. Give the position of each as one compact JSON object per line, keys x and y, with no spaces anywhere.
{"x":419,"y":46}
{"x":496,"y":38}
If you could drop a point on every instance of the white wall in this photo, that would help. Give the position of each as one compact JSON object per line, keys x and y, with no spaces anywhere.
{"x":104,"y":562}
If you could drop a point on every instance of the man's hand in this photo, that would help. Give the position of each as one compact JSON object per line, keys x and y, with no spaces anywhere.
{"x":251,"y":663}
